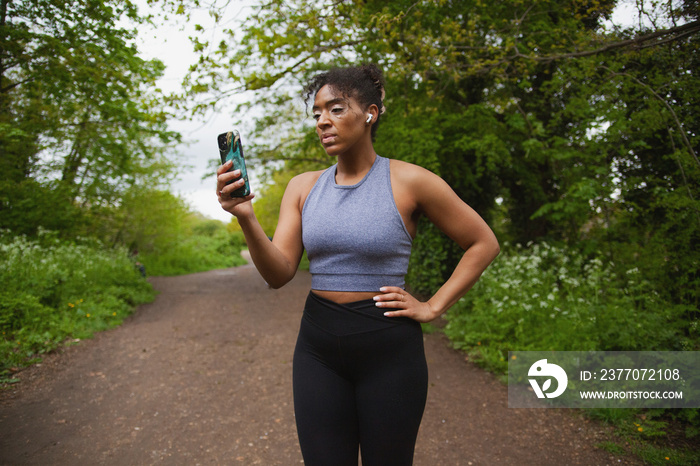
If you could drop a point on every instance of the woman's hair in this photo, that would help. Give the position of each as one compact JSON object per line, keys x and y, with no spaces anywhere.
{"x":364,"y":83}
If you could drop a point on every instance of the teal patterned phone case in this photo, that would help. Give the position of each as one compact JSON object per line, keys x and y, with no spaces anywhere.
{"x":230,"y":148}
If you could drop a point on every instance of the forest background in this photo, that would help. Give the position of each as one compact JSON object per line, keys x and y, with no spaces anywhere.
{"x":575,"y":138}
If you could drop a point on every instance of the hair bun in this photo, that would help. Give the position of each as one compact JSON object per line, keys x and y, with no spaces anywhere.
{"x":377,"y":77}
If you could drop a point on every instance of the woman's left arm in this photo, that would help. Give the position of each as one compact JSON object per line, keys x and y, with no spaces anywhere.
{"x":433,"y":197}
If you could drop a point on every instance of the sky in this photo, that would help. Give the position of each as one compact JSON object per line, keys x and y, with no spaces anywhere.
{"x":169,"y":42}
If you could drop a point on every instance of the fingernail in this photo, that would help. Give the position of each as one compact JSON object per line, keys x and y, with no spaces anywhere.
{"x":386,"y":314}
{"x":236,"y":172}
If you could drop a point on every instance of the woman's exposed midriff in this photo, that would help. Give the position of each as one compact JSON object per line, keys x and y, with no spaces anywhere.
{"x":345,"y":296}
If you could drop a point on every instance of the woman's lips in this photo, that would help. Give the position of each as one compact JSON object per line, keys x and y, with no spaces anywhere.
{"x":327,"y":138}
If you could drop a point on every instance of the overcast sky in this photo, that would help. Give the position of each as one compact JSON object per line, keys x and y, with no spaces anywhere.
{"x":170,"y":43}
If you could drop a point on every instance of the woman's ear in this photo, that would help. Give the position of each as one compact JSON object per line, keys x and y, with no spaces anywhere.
{"x":372,"y":114}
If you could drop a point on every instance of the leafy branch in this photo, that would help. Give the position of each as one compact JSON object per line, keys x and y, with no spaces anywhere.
{"x":637,"y":43}
{"x":656,"y":95}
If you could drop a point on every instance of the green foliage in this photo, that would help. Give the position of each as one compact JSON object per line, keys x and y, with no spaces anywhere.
{"x":81,"y":120}
{"x":545,"y":297}
{"x":267,"y":206}
{"x":54,"y":290}
{"x":427,"y":265}
{"x":664,"y":455}
{"x":168,"y":238}
{"x":24,"y":208}
{"x":197,"y":253}
{"x":646,"y":434}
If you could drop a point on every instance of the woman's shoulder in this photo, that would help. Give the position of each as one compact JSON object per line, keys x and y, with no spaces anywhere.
{"x":305,"y":180}
{"x":300,"y":186}
{"x":418,"y":183}
{"x":409,"y":172}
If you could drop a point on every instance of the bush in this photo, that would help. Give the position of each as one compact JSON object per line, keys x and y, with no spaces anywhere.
{"x":54,"y":289}
{"x":543,"y":297}
{"x":197,"y":253}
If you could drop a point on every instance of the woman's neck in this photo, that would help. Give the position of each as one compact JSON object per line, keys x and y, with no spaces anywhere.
{"x":352,"y":167}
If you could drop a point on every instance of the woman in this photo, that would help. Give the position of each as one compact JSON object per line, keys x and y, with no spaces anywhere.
{"x":360,"y":377}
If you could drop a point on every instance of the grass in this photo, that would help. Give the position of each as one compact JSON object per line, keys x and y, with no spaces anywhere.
{"x":652,"y":436}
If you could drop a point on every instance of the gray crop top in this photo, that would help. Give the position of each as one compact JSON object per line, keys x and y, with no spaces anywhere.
{"x":354,"y":235}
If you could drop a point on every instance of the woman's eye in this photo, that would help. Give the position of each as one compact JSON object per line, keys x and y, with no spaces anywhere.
{"x":337,"y":110}
{"x":317,"y":116}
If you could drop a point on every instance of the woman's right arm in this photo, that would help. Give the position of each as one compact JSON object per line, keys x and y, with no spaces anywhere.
{"x":276,"y":260}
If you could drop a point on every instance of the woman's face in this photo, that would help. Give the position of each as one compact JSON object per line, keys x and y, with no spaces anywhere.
{"x":340,"y":123}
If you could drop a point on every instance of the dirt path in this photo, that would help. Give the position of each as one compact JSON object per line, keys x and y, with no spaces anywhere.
{"x":203,"y":376}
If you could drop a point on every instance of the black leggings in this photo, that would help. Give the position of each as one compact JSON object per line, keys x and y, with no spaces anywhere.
{"x":360,"y":380}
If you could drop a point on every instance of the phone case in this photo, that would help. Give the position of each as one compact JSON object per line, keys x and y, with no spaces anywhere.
{"x":230,"y":148}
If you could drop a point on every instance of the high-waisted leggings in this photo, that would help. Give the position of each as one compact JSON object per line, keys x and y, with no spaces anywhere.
{"x":360,"y":382}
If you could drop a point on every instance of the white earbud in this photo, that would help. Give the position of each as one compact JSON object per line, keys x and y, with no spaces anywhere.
{"x":369,"y":118}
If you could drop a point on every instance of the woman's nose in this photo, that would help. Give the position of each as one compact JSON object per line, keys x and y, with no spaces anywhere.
{"x":322,"y":119}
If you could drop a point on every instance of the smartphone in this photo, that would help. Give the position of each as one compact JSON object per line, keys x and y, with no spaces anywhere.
{"x":230,"y":148}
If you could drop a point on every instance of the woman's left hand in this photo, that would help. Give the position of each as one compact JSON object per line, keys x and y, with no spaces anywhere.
{"x":400,"y":303}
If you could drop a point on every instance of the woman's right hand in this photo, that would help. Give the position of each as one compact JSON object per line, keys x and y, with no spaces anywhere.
{"x":237,"y":206}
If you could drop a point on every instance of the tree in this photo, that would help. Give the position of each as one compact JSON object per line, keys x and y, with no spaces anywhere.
{"x":80,"y":118}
